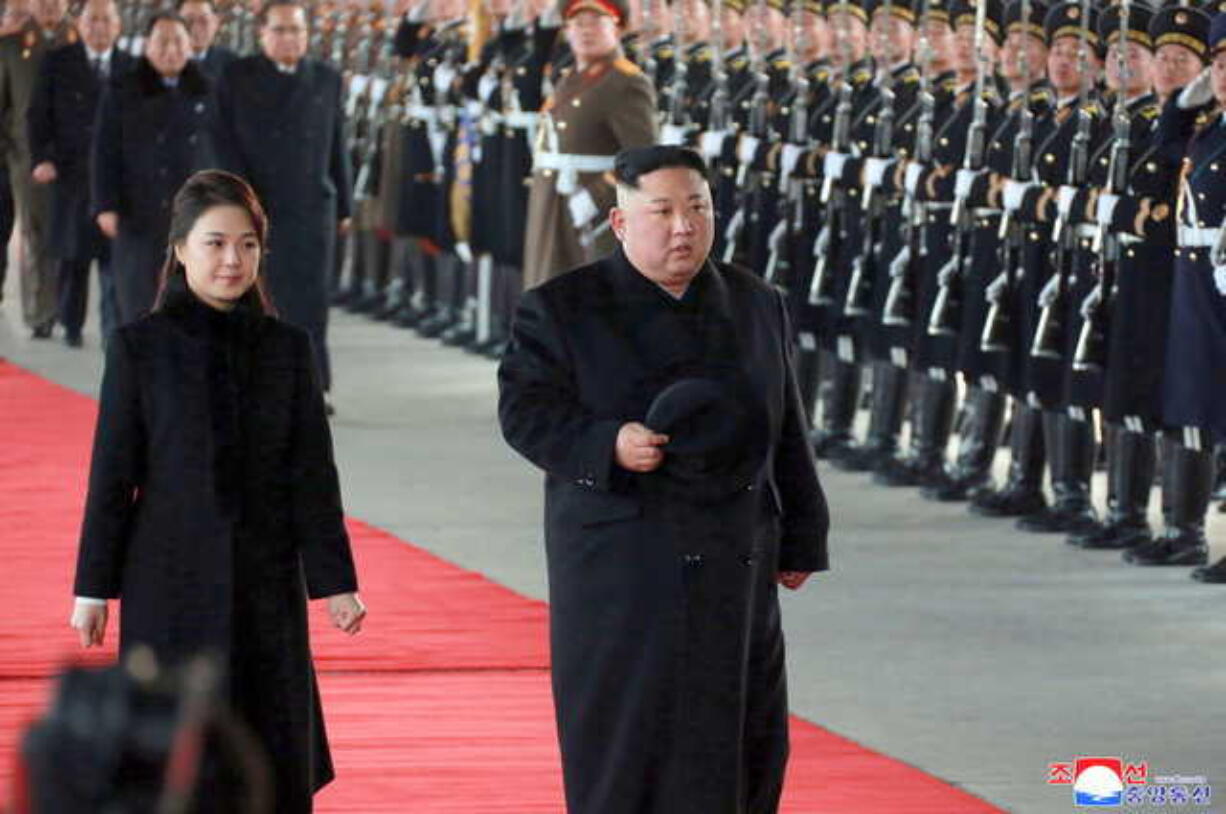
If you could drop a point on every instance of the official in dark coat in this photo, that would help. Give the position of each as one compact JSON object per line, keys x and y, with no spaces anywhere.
{"x":60,"y":122}
{"x":213,"y":509}
{"x":155,"y":128}
{"x":655,"y":388}
{"x":280,"y":128}
{"x":202,"y":24}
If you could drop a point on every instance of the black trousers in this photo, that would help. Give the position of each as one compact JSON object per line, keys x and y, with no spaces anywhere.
{"x":74,"y":294}
{"x":8,"y":214}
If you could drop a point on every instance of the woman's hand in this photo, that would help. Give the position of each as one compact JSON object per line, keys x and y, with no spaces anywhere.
{"x":792,"y":580}
{"x":347,"y":612}
{"x":89,"y":620}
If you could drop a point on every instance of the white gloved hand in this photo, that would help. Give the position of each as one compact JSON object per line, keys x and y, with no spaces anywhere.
{"x":1219,"y":279}
{"x":582,"y":208}
{"x":746,"y":149}
{"x":1064,"y":200}
{"x":875,"y":170}
{"x":1050,"y":291}
{"x":1106,"y":208}
{"x":915,"y":171}
{"x":946,"y":274}
{"x":711,"y":144}
{"x":464,"y":252}
{"x":1014,"y":193}
{"x":832,"y":164}
{"x":1198,"y":92}
{"x":672,"y":134}
{"x":963,"y":182}
{"x":788,"y":158}
{"x":996,"y":288}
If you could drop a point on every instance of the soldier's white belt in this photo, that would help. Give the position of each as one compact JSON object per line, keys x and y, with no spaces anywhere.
{"x":568,"y":167}
{"x":423,"y":113}
{"x":1192,"y":237}
{"x":521,"y":120}
{"x":1085,"y":231}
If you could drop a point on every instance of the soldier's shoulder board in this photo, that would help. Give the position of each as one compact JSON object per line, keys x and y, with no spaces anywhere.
{"x":625,"y":66}
{"x":738,"y":63}
{"x":1151,"y":111}
{"x":861,"y":76}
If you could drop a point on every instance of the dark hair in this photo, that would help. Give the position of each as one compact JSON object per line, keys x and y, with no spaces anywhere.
{"x":181,"y":3}
{"x":165,"y":16}
{"x":632,"y":164}
{"x":262,"y":18}
{"x":200,"y":193}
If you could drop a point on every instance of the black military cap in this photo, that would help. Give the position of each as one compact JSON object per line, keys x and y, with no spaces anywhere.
{"x":718,"y":437}
{"x":937,"y":11}
{"x":1217,"y":32}
{"x":963,"y":13}
{"x":616,"y":9}
{"x":1065,"y":20}
{"x":905,"y":10}
{"x":1139,"y":18}
{"x":1032,"y":25}
{"x":1180,"y":25}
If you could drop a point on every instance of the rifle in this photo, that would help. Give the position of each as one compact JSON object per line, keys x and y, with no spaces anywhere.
{"x":834,"y":200}
{"x":996,"y":336}
{"x":797,"y":135}
{"x":1049,"y":334}
{"x":759,"y":104}
{"x":1090,"y":352}
{"x":860,"y":288}
{"x":946,"y":317}
{"x":899,"y":306}
{"x":717,"y":119}
{"x":677,"y":115}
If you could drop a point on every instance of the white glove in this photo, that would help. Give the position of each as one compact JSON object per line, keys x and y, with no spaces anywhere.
{"x":672,"y":134}
{"x":1219,"y":279}
{"x":915,"y":171}
{"x":463,"y":252}
{"x":1014,"y":193}
{"x":582,"y":208}
{"x":946,"y":274}
{"x":996,"y":288}
{"x":1106,"y":208}
{"x":875,"y":170}
{"x":1050,"y":291}
{"x":746,"y":149}
{"x":898,"y":266}
{"x":788,"y":159}
{"x":963,"y":182}
{"x":1064,"y":200}
{"x":444,"y":75}
{"x":832,"y":165}
{"x":1198,"y":92}
{"x":711,"y":144}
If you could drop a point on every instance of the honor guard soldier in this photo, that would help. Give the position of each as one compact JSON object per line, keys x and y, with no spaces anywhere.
{"x":1050,"y":263}
{"x":21,"y":54}
{"x":1195,"y":374}
{"x":602,"y":105}
{"x":717,"y":142}
{"x":686,"y":100}
{"x":1009,"y":322}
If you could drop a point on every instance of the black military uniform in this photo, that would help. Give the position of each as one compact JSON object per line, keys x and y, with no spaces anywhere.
{"x":60,"y":121}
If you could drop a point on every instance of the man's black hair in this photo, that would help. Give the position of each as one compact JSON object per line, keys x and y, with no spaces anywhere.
{"x":632,"y":164}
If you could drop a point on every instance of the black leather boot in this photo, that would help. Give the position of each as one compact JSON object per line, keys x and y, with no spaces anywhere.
{"x":1215,"y":573}
{"x":1131,"y":460}
{"x":1182,"y":541}
{"x":1072,"y":465}
{"x":930,"y":431}
{"x":889,"y":400}
{"x":971,"y":473}
{"x":1022,"y":493}
{"x":840,"y":394}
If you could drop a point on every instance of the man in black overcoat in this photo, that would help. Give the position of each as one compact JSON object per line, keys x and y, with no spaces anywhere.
{"x":60,"y":123}
{"x":202,"y":24}
{"x":655,"y":388}
{"x":280,"y":128}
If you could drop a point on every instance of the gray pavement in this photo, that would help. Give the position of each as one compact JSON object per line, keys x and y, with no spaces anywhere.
{"x":974,"y":652}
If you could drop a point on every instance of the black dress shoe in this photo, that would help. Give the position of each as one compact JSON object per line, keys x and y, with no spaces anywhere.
{"x":1059,"y":519}
{"x":947,"y":488}
{"x":1215,"y":573}
{"x":42,"y":331}
{"x":73,"y":340}
{"x":907,"y":472}
{"x":459,"y":335}
{"x":864,"y":458}
{"x":436,"y":325}
{"x":830,"y":444}
{"x":1111,"y":536}
{"x":1008,"y":502}
{"x":1170,"y":549}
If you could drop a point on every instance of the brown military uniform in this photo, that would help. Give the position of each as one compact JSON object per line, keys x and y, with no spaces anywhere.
{"x":606,"y":108}
{"x":21,"y":53}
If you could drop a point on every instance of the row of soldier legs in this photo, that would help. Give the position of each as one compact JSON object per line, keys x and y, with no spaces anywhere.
{"x":1047,"y":413}
{"x":438,"y":246}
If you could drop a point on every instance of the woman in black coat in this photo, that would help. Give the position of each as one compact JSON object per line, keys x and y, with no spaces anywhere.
{"x":154,"y":129}
{"x":213,"y":509}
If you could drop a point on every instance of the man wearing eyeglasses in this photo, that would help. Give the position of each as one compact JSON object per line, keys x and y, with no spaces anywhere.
{"x":280,"y":128}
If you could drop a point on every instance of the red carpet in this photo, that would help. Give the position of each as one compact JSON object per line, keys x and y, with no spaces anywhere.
{"x":440,"y":705}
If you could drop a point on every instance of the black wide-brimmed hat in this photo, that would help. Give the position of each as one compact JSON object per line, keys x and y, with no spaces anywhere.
{"x":718,"y":437}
